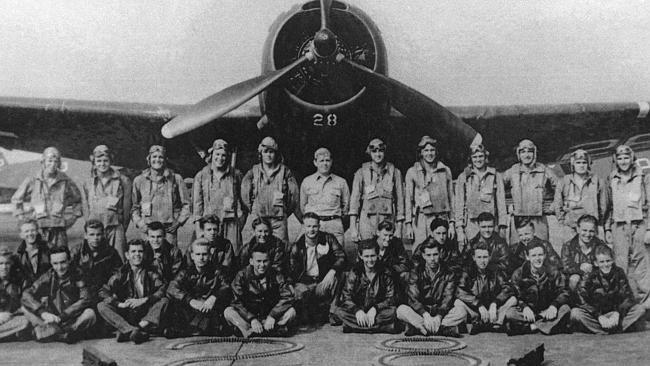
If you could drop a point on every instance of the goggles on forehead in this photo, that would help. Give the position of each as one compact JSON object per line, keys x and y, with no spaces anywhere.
{"x":377,"y":148}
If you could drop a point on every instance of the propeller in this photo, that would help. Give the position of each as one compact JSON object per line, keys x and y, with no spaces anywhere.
{"x":416,"y":105}
{"x":220,"y":103}
{"x":325,"y":6}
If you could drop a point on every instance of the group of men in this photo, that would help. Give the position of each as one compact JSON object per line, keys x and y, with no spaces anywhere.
{"x":474,"y":261}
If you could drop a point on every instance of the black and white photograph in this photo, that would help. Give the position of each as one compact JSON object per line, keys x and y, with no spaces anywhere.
{"x":324,"y":182}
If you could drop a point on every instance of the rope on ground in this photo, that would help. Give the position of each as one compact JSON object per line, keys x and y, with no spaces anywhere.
{"x":448,"y":345}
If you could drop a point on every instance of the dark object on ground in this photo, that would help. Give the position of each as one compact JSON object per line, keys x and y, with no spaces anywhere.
{"x":532,"y":358}
{"x":92,"y":357}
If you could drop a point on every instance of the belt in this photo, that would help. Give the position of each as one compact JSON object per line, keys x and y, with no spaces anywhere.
{"x":329,"y":218}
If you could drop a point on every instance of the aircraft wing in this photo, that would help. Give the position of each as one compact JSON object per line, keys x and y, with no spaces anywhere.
{"x":77,"y":126}
{"x":553,"y":127}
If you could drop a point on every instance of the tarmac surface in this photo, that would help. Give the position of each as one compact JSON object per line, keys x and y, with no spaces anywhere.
{"x":327,"y":345}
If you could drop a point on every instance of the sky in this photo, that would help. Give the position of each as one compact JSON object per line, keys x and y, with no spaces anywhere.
{"x":457,"y":52}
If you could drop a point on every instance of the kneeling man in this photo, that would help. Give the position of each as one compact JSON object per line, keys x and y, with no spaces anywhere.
{"x":263,"y":299}
{"x":134,"y":298}
{"x":430,"y":308}
{"x":608,"y":304}
{"x":58,"y":303}
{"x":368,"y":298}
{"x":541,"y":293}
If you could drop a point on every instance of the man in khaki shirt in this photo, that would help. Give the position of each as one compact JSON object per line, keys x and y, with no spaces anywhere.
{"x":107,"y":198}
{"x":326,"y":194}
{"x":54,"y":198}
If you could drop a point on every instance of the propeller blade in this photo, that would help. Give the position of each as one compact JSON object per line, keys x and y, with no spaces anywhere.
{"x":225,"y":101}
{"x":419,"y":107}
{"x":325,"y":6}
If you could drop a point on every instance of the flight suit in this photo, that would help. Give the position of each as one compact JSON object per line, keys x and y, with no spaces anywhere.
{"x":220,"y":196}
{"x":56,"y":205}
{"x":376,"y":196}
{"x":530,"y":189}
{"x":427,"y":197}
{"x":109,"y":203}
{"x":572,"y":201}
{"x":10,"y":292}
{"x":627,"y":219}
{"x":161,"y":198}
{"x":475,"y":194}
{"x":274,"y":197}
{"x":329,"y":198}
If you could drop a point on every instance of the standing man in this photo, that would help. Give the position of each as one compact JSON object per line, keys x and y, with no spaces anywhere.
{"x":58,"y":304}
{"x":579,"y":193}
{"x":54,"y":198}
{"x":32,"y":255}
{"x":159,"y":194}
{"x":479,"y":189}
{"x":107,"y":198}
{"x":134,"y":299}
{"x":217,"y":189}
{"x":13,"y":326}
{"x":377,"y":194}
{"x":316,"y":266}
{"x":262,"y":298}
{"x":429,"y":193}
{"x":626,"y":226}
{"x":326,"y":195}
{"x":531,"y":184}
{"x":269,"y":190}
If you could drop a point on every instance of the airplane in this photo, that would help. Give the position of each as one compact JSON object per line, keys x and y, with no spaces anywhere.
{"x":324,"y":82}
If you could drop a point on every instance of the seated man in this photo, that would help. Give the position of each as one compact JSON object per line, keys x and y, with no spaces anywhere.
{"x":608,"y":304}
{"x":368,"y":297}
{"x":526,"y":233}
{"x":263,"y":235}
{"x":134,"y":299}
{"x":262,"y":298}
{"x":541,"y":294}
{"x":164,"y":256}
{"x":497,"y":246}
{"x":484,"y":293}
{"x":199,"y":295}
{"x":578,"y":253}
{"x":33,"y":255}
{"x":13,"y":326}
{"x":222,"y":254}
{"x":95,"y":258}
{"x":430,"y":308}
{"x":316,"y":266}
{"x":58,"y":304}
{"x":393,"y":257}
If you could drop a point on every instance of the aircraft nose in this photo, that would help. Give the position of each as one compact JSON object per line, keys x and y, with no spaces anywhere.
{"x":324,"y":43}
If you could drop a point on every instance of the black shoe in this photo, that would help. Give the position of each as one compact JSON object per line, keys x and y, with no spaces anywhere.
{"x":449,"y":332}
{"x":138,"y":336}
{"x":513,"y":329}
{"x":281,"y":331}
{"x":172,"y":333}
{"x":347,"y":329}
{"x":122,"y":337}
{"x":477,"y":328}
{"x":67,"y":337}
{"x":334,"y":320}
{"x":411,"y":331}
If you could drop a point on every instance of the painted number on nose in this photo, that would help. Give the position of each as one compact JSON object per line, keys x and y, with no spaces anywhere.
{"x":328,"y":119}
